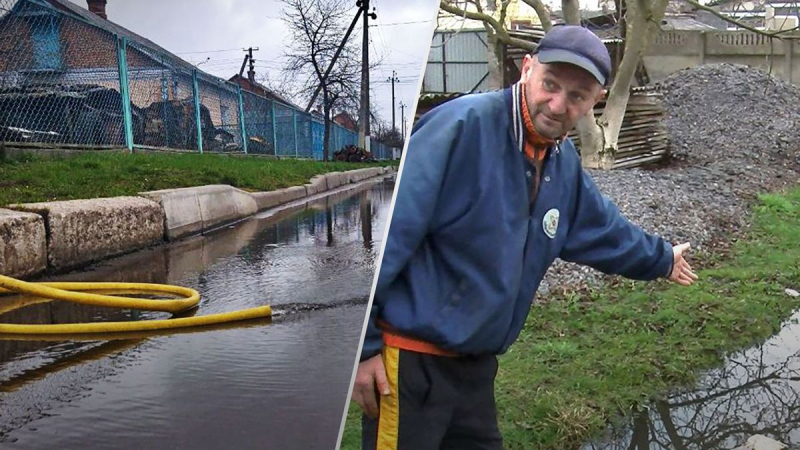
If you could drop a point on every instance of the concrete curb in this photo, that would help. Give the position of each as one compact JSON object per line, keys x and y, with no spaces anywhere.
{"x":317,"y":184}
{"x":271,"y":199}
{"x":68,"y":234}
{"x":195,"y":210}
{"x":23,"y":243}
{"x":81,"y":231}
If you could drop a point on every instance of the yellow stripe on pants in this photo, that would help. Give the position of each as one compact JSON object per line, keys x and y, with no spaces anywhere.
{"x":389,"y":419}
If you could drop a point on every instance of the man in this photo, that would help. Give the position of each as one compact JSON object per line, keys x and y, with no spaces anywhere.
{"x":491,"y":193}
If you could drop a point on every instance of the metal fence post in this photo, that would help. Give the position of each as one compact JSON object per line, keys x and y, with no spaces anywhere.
{"x":274,"y":130}
{"x":196,"y":95}
{"x":124,"y":91}
{"x":241,"y":120}
{"x":294,"y":116}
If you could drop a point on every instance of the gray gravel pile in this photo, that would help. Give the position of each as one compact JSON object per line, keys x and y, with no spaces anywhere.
{"x":735,"y":132}
{"x":719,"y":109}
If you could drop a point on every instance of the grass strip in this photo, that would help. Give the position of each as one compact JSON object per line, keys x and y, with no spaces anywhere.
{"x":31,"y":178}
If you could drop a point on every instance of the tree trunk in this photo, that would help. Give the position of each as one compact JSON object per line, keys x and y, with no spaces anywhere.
{"x":571,"y":11}
{"x":326,"y":111}
{"x":591,"y":135}
{"x":599,"y":140}
{"x":622,"y":7}
{"x":494,"y":52}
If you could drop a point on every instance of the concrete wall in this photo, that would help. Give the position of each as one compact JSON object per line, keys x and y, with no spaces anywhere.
{"x":672,"y":51}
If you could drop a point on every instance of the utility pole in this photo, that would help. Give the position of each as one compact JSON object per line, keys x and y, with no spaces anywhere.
{"x":251,"y":74}
{"x":363,"y":126}
{"x":403,"y":119}
{"x":393,"y":78}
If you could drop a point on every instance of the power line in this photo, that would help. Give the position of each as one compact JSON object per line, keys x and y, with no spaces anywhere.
{"x":207,"y":51}
{"x":407,"y":83}
{"x":400,"y":23}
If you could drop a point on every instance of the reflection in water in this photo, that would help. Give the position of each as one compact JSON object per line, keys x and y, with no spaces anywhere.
{"x":366,"y":222}
{"x":756,"y":392}
{"x":272,"y":380}
{"x":66,"y":360}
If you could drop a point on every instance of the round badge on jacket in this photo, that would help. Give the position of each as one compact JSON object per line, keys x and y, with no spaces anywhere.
{"x":550,"y":223}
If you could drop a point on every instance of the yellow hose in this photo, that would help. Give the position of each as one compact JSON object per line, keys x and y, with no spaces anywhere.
{"x":75,"y":292}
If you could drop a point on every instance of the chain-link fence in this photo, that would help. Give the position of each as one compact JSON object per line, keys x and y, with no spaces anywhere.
{"x":68,"y":76}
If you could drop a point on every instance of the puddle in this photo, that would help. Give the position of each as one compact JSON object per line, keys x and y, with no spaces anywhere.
{"x":757,"y":391}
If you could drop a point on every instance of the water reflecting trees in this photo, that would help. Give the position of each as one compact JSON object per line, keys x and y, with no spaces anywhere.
{"x":757,"y":391}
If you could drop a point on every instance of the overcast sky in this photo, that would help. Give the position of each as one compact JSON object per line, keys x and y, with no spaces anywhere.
{"x":219,"y":29}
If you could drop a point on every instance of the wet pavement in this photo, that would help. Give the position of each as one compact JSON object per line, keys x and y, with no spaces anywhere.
{"x":757,"y":391}
{"x":271,"y":383}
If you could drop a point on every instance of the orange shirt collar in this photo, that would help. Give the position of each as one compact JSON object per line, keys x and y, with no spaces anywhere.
{"x":536,"y":145}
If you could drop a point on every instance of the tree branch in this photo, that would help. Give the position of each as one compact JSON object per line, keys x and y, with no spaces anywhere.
{"x":503,"y":10}
{"x":485,"y":18}
{"x":734,"y":21}
{"x":499,"y":29}
{"x":542,"y":12}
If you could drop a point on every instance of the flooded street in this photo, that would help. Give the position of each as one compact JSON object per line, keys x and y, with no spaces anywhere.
{"x":273,"y":383}
{"x":756,"y":392}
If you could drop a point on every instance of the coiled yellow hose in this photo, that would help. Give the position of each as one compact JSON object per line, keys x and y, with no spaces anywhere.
{"x":76,"y":293}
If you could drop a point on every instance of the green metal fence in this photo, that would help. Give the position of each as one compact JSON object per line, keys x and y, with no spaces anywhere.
{"x":70,"y":77}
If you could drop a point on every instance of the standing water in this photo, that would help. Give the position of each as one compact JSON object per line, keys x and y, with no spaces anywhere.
{"x":757,"y":391}
{"x":279,"y":383}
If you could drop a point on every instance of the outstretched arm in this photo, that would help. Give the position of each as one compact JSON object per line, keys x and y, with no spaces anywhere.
{"x":602,"y":238}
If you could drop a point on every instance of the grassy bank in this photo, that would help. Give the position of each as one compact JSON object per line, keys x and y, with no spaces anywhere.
{"x":93,"y":175}
{"x":582,"y":361}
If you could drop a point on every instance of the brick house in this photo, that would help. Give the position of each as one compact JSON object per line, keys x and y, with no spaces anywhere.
{"x":346,"y":121}
{"x":58,"y":43}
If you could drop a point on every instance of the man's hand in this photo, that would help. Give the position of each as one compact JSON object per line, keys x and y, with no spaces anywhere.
{"x":370,"y":373}
{"x":681,"y":270}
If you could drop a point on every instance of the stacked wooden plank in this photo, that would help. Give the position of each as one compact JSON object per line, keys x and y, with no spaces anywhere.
{"x":643,"y":136}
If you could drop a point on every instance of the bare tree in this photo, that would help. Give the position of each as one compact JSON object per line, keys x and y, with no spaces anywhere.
{"x":316,"y":29}
{"x":388,"y":135}
{"x":276,"y":85}
{"x":598,"y":137}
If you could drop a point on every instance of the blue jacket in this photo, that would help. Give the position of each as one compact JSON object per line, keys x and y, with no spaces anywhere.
{"x":465,"y":252}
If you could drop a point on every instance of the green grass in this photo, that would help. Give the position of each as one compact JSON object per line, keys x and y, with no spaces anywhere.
{"x":92,"y":175}
{"x":583,"y":361}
